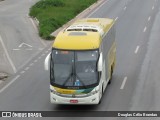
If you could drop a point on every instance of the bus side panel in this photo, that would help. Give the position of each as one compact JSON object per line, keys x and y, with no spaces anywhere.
{"x":113,"y":49}
{"x":106,"y":45}
{"x":111,"y":54}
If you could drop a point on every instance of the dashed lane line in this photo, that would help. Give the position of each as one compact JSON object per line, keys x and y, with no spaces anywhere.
{"x":136,"y":51}
{"x":149,"y":18}
{"x":22,"y":72}
{"x":97,"y":8}
{"x":144,"y":30}
{"x":116,"y":19}
{"x":27,"y":68}
{"x":123,"y":83}
{"x":31,"y":64}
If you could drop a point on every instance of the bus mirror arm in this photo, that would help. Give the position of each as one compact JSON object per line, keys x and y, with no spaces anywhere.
{"x":100,"y":63}
{"x":47,"y":61}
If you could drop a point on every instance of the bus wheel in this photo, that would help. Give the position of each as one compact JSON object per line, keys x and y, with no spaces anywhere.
{"x":109,"y":82}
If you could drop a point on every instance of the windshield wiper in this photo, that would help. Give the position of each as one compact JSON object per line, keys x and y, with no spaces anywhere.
{"x":81,"y":81}
{"x":68,"y":78}
{"x":72,"y":74}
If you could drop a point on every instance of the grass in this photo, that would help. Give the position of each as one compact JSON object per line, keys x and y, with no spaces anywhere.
{"x":52,"y":14}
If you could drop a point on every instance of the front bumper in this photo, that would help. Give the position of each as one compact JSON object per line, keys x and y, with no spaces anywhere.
{"x":92,"y":99}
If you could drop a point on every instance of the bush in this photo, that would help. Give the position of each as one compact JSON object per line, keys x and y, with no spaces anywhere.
{"x":52,"y":14}
{"x":47,"y":26}
{"x":49,"y":3}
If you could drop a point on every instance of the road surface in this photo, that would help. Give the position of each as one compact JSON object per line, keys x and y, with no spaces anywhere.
{"x":19,"y":40}
{"x":135,"y":83}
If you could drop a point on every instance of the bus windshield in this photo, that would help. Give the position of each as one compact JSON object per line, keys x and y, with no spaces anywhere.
{"x":74,"y":69}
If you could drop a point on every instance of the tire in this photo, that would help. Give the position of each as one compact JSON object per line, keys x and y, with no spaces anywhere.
{"x":109,"y":82}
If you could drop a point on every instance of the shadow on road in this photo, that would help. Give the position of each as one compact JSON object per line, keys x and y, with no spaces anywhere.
{"x":76,"y":107}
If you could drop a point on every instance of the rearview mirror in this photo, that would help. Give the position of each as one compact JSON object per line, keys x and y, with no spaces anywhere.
{"x":100,"y":61}
{"x":47,"y":61}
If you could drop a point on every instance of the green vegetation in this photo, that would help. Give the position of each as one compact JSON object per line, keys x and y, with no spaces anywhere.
{"x":52,"y":14}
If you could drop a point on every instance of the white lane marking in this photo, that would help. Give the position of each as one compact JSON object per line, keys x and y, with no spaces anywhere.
{"x":149,"y":18}
{"x":22,"y":44}
{"x":6,"y":52}
{"x":35,"y":27}
{"x":125,"y":8}
{"x":35,"y":61}
{"x":136,"y":51}
{"x":144,"y":30}
{"x":13,"y":80}
{"x":16,"y":49}
{"x":97,"y":8}
{"x":116,"y":19}
{"x":23,"y":72}
{"x":26,"y":68}
{"x":31,"y":64}
{"x":153,"y":8}
{"x":123,"y":83}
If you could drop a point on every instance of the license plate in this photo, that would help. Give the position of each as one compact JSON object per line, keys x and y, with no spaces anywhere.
{"x":73,"y":101}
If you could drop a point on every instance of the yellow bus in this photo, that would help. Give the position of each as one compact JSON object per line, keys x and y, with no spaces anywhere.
{"x":82,"y":61}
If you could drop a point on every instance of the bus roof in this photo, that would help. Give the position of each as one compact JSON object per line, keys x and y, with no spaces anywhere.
{"x":84,"y":34}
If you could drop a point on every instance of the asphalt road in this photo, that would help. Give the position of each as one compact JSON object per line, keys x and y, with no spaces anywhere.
{"x":135,"y":84}
{"x":19,"y":40}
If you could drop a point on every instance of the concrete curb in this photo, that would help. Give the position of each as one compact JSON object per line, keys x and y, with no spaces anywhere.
{"x":79,"y":16}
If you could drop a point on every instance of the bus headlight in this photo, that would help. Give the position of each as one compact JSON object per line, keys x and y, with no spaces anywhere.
{"x":94,"y":91}
{"x":52,"y":90}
